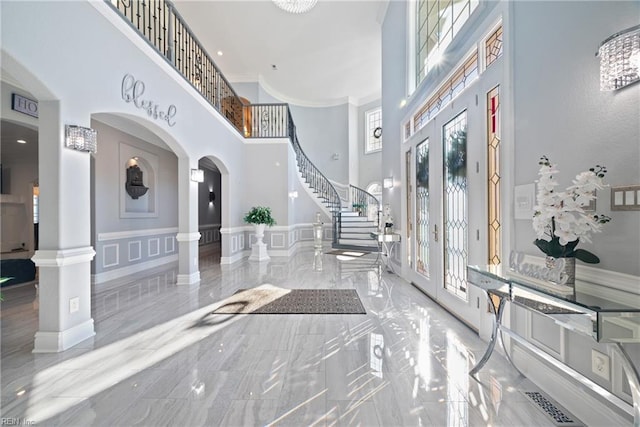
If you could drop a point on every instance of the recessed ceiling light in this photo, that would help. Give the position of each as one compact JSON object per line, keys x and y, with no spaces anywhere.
{"x":22,"y":141}
{"x":219,"y":53}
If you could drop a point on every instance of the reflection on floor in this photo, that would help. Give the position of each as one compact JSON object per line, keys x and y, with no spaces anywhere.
{"x":160,"y":358}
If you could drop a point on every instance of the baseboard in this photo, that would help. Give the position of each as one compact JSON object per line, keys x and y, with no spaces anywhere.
{"x":300,"y":244}
{"x":576,"y":398}
{"x":54,"y":342}
{"x":105,"y":276}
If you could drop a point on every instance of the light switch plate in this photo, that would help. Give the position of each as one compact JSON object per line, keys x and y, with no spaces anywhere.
{"x":625,"y":198}
{"x":74,"y":305}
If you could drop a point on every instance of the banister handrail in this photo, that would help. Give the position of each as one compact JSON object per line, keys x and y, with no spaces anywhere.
{"x":161,"y":25}
{"x":362,"y":199}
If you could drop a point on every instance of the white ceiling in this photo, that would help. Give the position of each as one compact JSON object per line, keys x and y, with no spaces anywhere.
{"x":13,"y":152}
{"x":323,"y":57}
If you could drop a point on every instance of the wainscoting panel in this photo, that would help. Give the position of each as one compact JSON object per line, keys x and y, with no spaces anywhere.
{"x":154,"y":247}
{"x":135,"y":250}
{"x":111,"y":255}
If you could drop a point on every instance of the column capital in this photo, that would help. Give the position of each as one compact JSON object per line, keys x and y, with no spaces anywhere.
{"x":62,"y":257}
{"x":188,"y":237}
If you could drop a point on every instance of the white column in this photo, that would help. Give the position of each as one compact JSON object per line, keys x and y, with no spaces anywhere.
{"x":188,"y":235}
{"x":65,"y":254}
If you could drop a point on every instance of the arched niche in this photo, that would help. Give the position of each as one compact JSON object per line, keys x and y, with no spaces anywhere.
{"x":146,"y":164}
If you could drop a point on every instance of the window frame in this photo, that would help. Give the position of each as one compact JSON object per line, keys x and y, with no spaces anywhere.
{"x":369,"y":131}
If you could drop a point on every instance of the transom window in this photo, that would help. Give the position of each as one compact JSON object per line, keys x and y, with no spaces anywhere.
{"x":438,"y":22}
{"x":373,"y":126}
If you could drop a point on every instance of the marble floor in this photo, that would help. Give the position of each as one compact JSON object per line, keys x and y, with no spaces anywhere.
{"x":159,"y":358}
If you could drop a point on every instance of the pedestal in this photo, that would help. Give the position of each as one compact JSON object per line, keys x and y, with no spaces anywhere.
{"x":259,"y":248}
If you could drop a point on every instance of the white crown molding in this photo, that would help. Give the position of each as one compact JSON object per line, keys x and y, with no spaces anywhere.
{"x":333,"y":102}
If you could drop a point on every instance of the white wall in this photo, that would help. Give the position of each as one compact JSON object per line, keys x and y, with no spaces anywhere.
{"x":561,"y":112}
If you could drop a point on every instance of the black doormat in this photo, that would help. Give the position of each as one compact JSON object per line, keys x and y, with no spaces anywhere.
{"x":269,"y":299}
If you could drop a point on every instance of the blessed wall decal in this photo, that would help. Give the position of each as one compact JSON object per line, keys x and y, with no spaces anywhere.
{"x":132,"y":91}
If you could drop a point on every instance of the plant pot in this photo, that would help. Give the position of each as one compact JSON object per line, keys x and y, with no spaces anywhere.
{"x":259,"y":230}
{"x":564,"y":269}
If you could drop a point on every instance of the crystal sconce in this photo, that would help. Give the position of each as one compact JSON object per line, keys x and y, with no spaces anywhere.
{"x":80,"y":138}
{"x":620,"y":59}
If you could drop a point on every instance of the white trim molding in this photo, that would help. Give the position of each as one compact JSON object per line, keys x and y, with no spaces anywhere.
{"x":131,"y":269}
{"x":118,"y":235}
{"x":54,"y":342}
{"x":188,"y":237}
{"x":62,"y":257}
{"x":188,"y":279}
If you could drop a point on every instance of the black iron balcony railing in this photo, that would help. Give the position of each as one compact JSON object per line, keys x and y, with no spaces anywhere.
{"x":158,"y":22}
{"x":162,"y":26}
{"x":266,"y":120}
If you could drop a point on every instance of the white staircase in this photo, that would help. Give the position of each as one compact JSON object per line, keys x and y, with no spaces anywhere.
{"x":355,"y":232}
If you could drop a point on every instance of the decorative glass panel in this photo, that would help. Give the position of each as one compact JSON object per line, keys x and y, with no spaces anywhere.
{"x":438,"y":23}
{"x":460,"y":79}
{"x":422,"y":208}
{"x":455,"y":205}
{"x":493,"y":175}
{"x":409,"y":200}
{"x":493,"y":46}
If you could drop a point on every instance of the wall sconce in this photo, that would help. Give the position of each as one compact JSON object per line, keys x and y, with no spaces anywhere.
{"x":212,"y":197}
{"x":80,"y":138}
{"x":197,"y":175}
{"x":620,"y":59}
{"x":293,"y":194}
{"x":335,"y":156}
{"x":388,"y":182}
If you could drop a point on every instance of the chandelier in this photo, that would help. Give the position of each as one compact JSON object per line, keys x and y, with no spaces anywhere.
{"x":295,"y":6}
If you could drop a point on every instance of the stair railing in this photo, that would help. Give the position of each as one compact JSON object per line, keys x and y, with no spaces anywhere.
{"x":159,"y":23}
{"x":366,"y":203}
{"x":316,"y":180}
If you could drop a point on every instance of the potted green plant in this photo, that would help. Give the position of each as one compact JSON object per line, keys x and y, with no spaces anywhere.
{"x":260,"y":217}
{"x":359,"y":207}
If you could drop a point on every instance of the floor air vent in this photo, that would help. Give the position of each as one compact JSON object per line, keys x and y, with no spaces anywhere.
{"x":558,"y":415}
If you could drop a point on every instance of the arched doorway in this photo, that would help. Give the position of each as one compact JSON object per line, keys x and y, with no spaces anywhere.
{"x":210,"y":212}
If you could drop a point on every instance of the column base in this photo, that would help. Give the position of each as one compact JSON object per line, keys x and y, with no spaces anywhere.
{"x":57,"y":341}
{"x":259,"y":252}
{"x":188,"y":279}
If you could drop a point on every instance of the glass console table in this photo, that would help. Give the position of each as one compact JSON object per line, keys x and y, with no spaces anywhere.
{"x":605,"y":321}
{"x":386,"y":243}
